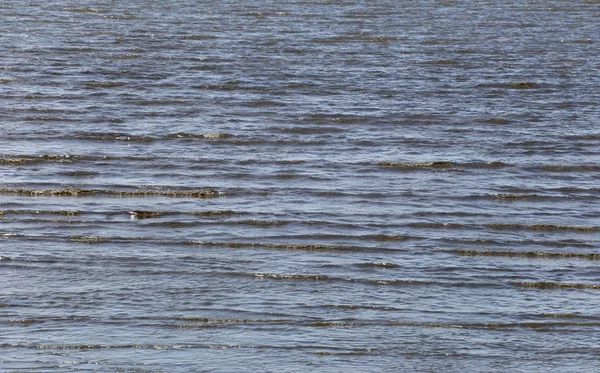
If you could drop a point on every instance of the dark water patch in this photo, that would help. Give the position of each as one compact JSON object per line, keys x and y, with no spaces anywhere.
{"x":183,"y":346}
{"x":214,"y":320}
{"x":100,"y":84}
{"x":318,"y":118}
{"x":484,"y":165}
{"x":428,"y":225}
{"x":440,"y":41}
{"x":28,"y":260}
{"x":518,"y":243}
{"x":495,"y":121}
{"x":542,"y":227}
{"x":20,"y":160}
{"x":246,"y":162}
{"x":306,"y":130}
{"x":376,"y":265}
{"x":418,"y":165}
{"x":584,"y":137}
{"x":90,"y":239}
{"x":80,"y":173}
{"x":160,"y":102}
{"x":365,"y":281}
{"x":366,"y":307}
{"x":568,"y":316}
{"x":300,"y":247}
{"x":198,"y":37}
{"x":511,"y":85}
{"x":193,"y":135}
{"x":263,"y":103}
{"x":126,"y":56}
{"x":85,"y":10}
{"x":145,"y":214}
{"x":97,"y":239}
{"x":358,"y":38}
{"x":529,"y":254}
{"x":264,"y":223}
{"x":206,"y":67}
{"x":569,"y":168}
{"x":112,"y":136}
{"x":216,"y":213}
{"x":512,"y":196}
{"x":75,"y":192}
{"x":542,"y":326}
{"x":384,"y":237}
{"x":48,"y":118}
{"x":544,"y":285}
{"x":439,"y":62}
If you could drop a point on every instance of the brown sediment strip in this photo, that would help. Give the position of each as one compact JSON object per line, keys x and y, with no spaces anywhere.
{"x":89,"y":239}
{"x":76,"y":192}
{"x":529,"y":254}
{"x":416,"y":165}
{"x":555,"y":285}
{"x":376,"y":264}
{"x":193,"y":135}
{"x":533,"y":325}
{"x":514,"y":196}
{"x":232,"y":320}
{"x":542,"y":227}
{"x":145,"y":214}
{"x":290,"y":246}
{"x":284,"y":276}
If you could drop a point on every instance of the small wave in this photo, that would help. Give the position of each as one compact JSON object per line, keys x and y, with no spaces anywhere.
{"x":290,"y":246}
{"x":589,"y":136}
{"x":569,"y":168}
{"x":211,"y":213}
{"x":198,"y":37}
{"x":358,"y":306}
{"x":529,"y":254}
{"x":457,"y":325}
{"x":80,"y":173}
{"x":418,"y":165}
{"x":145,"y":214}
{"x":263,"y":103}
{"x":213,"y":320}
{"x":365,"y":281}
{"x":278,"y":276}
{"x":112,"y":136}
{"x":438,"y":225}
{"x":193,"y":135}
{"x":317,"y":118}
{"x":74,"y":192}
{"x":555,"y":285}
{"x":29,"y":260}
{"x":499,"y":121}
{"x":511,"y":85}
{"x":376,"y":265}
{"x":439,"y":62}
{"x":48,"y":118}
{"x":98,"y":84}
{"x":85,"y":10}
{"x":543,"y":227}
{"x":512,"y":196}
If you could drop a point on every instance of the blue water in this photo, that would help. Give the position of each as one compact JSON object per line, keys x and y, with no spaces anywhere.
{"x":292,"y":186}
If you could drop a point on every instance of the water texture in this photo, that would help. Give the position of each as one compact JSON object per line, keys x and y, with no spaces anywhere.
{"x":293,"y":186}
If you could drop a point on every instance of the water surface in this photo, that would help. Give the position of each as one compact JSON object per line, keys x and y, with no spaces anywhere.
{"x":299,"y":186}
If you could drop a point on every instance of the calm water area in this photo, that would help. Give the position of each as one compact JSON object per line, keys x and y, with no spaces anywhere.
{"x":299,"y":186}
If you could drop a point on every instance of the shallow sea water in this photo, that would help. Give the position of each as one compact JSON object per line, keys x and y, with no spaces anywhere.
{"x":292,"y":186}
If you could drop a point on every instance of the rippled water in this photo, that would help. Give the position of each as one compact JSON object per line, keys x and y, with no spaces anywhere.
{"x":299,"y":186}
